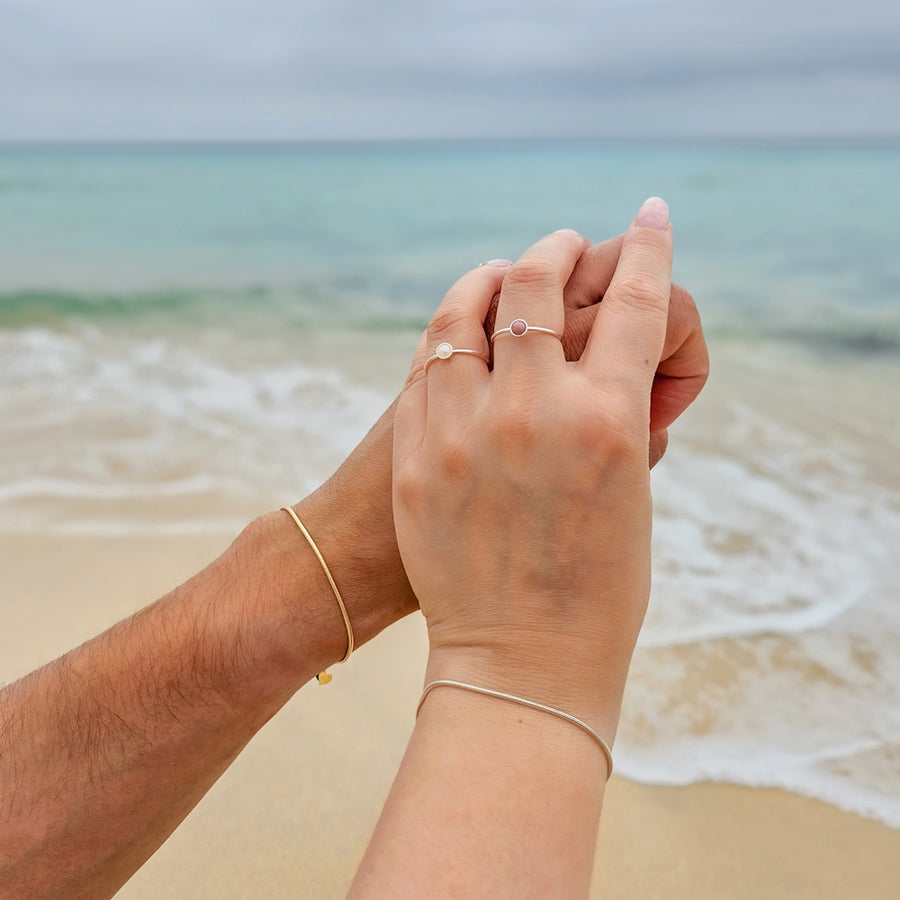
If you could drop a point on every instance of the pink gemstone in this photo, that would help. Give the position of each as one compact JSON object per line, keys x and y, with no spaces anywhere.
{"x":518,"y":327}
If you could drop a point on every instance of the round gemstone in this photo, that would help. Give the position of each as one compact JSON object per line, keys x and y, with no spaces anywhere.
{"x":518,"y":327}
{"x":444,"y":351}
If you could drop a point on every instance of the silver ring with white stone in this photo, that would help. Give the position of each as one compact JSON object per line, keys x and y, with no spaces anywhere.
{"x":446,"y":350}
{"x":519,"y":328}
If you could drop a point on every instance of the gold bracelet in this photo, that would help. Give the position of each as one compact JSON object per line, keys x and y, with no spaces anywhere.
{"x":324,"y":677}
{"x":531,"y":704}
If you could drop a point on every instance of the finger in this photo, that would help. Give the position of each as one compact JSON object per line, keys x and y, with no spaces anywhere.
{"x":532,"y":293}
{"x":585,"y":287}
{"x":659,"y":440}
{"x":684,"y":367}
{"x":593,"y":273}
{"x":490,"y":322}
{"x":584,"y":290}
{"x":628,"y":335}
{"x":409,"y":418}
{"x":454,"y":380}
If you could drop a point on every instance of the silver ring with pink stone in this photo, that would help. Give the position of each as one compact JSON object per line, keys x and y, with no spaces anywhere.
{"x":519,"y":328}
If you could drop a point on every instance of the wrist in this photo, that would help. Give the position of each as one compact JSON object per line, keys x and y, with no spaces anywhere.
{"x":540,"y":675}
{"x":478,"y":718}
{"x":297,"y":626}
{"x":283,"y":602}
{"x":350,"y":518}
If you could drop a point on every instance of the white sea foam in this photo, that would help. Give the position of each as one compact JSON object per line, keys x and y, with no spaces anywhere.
{"x":769,"y":653}
{"x":825,"y":778}
{"x":738,"y":552}
{"x":816,"y":713}
{"x":107,"y":420}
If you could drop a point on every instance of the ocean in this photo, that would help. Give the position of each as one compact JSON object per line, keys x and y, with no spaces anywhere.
{"x":190,"y":335}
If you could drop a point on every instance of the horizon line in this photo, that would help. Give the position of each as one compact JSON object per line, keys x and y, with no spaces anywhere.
{"x":870,"y":140}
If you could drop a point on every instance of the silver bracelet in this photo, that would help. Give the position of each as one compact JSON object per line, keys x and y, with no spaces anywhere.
{"x":522,"y":701}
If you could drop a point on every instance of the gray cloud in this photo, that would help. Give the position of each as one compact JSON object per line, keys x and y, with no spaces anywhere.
{"x":219,"y":69}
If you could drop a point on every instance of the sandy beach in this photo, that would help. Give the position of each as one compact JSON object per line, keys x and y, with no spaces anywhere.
{"x":292,"y":816}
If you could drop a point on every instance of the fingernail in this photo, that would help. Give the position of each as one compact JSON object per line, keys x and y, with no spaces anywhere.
{"x":499,"y":263}
{"x":571,"y":231}
{"x":653,"y":214}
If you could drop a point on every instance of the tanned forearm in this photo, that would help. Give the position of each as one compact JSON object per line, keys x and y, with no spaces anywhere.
{"x":104,"y":751}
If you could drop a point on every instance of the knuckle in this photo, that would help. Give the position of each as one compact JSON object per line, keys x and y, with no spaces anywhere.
{"x":532,"y":274}
{"x":622,"y":443}
{"x":643,"y":292}
{"x":702,"y":373}
{"x":518,"y":426}
{"x":682,"y":300}
{"x":611,"y":433}
{"x":454,"y":459}
{"x":684,"y":317}
{"x":625,"y":434}
{"x":445,"y":322}
{"x":410,"y":485}
{"x":416,"y":375}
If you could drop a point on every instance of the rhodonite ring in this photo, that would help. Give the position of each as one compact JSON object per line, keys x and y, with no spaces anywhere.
{"x":446,"y":350}
{"x":519,"y":328}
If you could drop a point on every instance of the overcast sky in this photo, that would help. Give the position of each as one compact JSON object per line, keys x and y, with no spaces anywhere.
{"x":309,"y":69}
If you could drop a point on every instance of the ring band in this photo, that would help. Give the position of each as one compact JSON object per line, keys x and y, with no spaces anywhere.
{"x":446,"y":350}
{"x":519,"y":328}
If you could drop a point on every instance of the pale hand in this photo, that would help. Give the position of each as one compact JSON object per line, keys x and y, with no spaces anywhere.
{"x":521,"y":495}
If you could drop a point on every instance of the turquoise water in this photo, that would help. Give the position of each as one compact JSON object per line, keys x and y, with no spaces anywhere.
{"x":189,"y":336}
{"x":798,"y":241}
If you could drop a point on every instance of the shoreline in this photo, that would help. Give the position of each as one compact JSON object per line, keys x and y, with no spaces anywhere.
{"x":295,"y":811}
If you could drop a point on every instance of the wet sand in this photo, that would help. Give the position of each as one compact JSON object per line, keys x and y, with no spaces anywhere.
{"x":292,"y":816}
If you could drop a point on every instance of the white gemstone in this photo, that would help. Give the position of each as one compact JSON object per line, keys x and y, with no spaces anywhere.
{"x":444,"y":351}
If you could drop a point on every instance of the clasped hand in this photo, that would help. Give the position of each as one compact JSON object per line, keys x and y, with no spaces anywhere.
{"x":521,"y":492}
